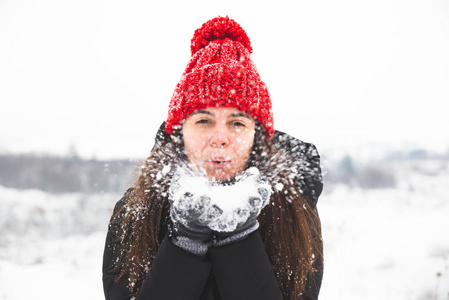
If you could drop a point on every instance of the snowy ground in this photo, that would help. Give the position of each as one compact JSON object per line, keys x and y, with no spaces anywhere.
{"x":51,"y":245}
{"x":385,"y":244}
{"x":379,"y":244}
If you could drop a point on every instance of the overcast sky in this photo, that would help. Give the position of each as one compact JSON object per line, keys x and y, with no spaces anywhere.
{"x":98,"y":75}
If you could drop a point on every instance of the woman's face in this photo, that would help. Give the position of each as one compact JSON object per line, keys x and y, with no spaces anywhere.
{"x":218,"y":140}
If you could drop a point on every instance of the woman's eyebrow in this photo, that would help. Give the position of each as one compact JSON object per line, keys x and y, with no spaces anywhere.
{"x":202,"y":111}
{"x":240,"y":115}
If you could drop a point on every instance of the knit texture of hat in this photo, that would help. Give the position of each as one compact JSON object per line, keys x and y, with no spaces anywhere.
{"x":220,"y":73}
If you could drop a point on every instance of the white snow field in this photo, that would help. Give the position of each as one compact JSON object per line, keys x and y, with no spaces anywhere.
{"x":379,"y":243}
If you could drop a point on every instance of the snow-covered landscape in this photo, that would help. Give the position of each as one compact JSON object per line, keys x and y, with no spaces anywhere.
{"x":88,"y":82}
{"x":383,"y":243}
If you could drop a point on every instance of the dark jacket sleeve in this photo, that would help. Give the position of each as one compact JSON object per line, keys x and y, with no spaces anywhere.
{"x":306,"y":158}
{"x":113,"y":290}
{"x":174,"y":273}
{"x":244,"y":271}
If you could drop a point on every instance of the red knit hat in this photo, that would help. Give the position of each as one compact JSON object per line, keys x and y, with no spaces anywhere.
{"x":220,"y":73}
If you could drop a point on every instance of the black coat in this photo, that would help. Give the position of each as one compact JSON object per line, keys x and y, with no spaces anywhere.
{"x":177,"y":274}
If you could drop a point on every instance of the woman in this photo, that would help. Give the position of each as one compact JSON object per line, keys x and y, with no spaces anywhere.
{"x":225,"y":206}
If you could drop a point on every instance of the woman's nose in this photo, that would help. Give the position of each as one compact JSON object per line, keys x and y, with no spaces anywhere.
{"x":219,"y":138}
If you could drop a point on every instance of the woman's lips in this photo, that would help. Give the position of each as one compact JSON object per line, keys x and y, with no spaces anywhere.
{"x":219,"y":162}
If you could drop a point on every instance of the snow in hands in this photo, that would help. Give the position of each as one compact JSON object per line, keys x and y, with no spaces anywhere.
{"x":219,"y":206}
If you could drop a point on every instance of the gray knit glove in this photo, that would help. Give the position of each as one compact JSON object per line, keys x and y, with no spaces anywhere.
{"x":205,"y":212}
{"x":189,"y":215}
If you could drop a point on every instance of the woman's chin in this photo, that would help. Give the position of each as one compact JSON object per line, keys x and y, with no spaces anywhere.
{"x":220,"y":174}
{"x":217,"y":173}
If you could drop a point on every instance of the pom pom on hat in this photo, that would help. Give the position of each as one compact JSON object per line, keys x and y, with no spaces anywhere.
{"x":219,"y":28}
{"x":220,"y":73}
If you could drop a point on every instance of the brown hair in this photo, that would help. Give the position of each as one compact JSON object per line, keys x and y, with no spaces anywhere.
{"x":289,"y":226}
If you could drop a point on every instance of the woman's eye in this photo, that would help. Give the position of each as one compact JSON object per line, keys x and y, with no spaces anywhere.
{"x":203,"y":121}
{"x":238,"y":124}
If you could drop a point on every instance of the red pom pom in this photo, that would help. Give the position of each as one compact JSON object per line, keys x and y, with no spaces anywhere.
{"x":219,"y":28}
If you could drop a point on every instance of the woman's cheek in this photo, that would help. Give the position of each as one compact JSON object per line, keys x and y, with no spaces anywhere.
{"x":242,"y":144}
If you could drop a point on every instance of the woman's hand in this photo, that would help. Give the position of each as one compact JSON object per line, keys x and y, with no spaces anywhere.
{"x":208,"y":211}
{"x":243,"y":219}
{"x":191,"y":214}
